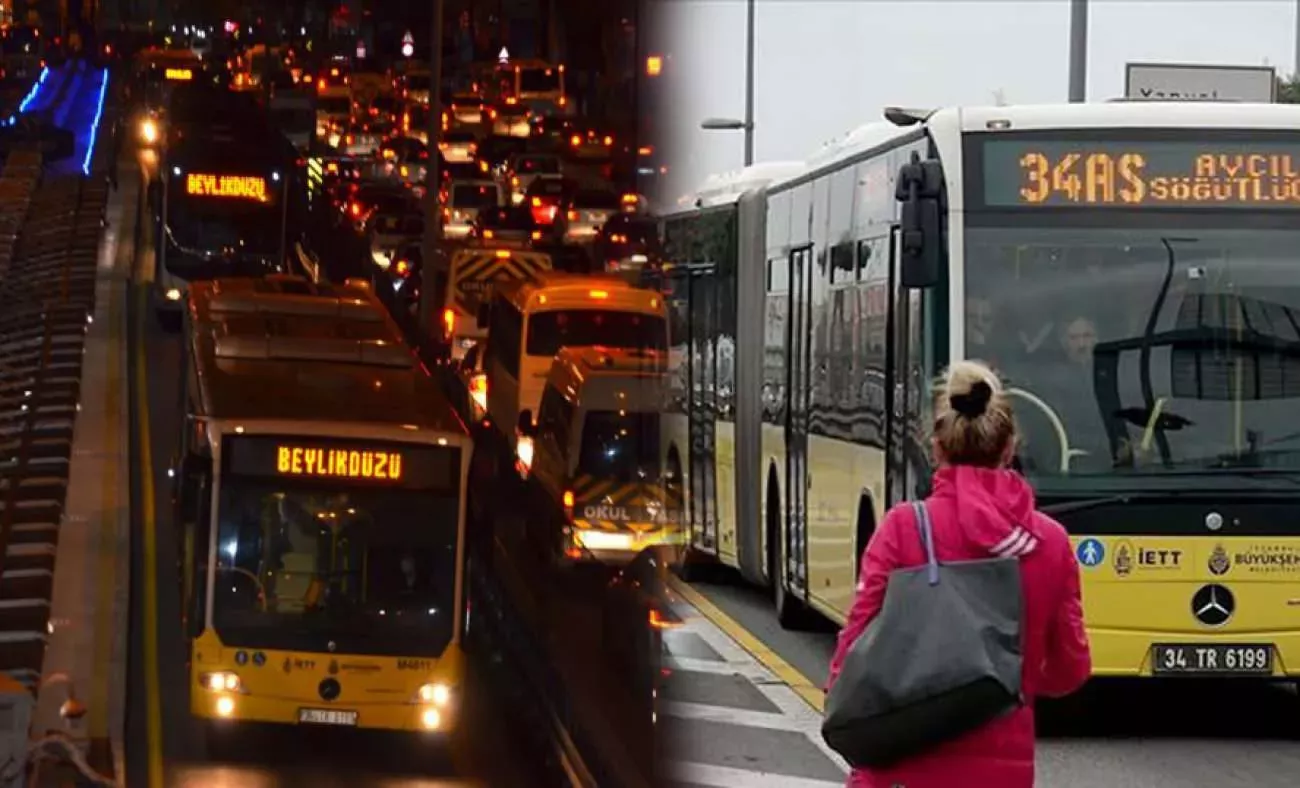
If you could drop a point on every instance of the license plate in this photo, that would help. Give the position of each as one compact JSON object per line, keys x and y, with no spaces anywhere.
{"x":327,"y":717}
{"x":1212,"y":660}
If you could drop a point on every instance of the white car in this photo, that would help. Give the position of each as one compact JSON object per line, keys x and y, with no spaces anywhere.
{"x":465,"y":200}
{"x":528,"y":167}
{"x":458,"y":146}
{"x":389,"y":233}
{"x":512,"y":120}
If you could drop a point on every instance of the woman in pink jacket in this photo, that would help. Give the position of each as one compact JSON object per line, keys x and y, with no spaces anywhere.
{"x":980,"y":508}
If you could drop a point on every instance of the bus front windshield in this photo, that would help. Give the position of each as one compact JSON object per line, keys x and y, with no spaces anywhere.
{"x":1143,"y":350}
{"x":300,"y":565}
{"x":550,"y":331}
{"x":208,"y":231}
{"x":621,"y":446}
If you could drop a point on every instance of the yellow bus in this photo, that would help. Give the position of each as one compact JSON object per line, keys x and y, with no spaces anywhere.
{"x":1128,"y":267}
{"x":320,"y":499}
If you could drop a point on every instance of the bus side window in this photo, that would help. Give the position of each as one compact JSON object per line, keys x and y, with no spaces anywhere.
{"x":193,"y":510}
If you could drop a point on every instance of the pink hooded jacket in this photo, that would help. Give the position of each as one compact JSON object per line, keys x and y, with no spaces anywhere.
{"x":976,"y":512}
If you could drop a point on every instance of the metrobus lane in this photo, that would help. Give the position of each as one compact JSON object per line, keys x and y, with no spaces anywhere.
{"x":1115,"y":733}
{"x":167,"y":746}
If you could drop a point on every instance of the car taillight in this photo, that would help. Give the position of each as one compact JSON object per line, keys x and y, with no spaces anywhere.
{"x":356,"y":209}
{"x":544,"y":214}
{"x":488,"y":234}
{"x":573,"y":216}
{"x":402,"y":269}
{"x":568,"y":500}
{"x":575,"y":140}
{"x":351,"y":139}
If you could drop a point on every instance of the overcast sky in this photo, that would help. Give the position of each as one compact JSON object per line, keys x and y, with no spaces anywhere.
{"x":825,"y":67}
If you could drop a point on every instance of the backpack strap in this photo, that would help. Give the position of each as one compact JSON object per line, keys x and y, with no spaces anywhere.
{"x":926,"y":531}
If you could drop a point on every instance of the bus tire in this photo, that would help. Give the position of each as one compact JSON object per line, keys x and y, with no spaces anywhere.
{"x":790,"y":612}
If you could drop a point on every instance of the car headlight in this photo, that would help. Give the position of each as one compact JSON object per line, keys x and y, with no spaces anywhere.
{"x":149,"y":131}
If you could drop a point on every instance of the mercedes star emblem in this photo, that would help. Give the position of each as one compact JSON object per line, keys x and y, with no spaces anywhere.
{"x":1213,"y":605}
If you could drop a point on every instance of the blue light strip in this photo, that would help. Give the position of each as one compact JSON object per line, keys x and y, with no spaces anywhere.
{"x":36,"y":89}
{"x":94,"y":127}
{"x":12,"y":120}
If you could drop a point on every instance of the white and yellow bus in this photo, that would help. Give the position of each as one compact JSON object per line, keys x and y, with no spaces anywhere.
{"x":529,"y":320}
{"x":1129,"y":268}
{"x":320,"y":499}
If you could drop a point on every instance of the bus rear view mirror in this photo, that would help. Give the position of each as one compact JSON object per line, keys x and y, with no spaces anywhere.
{"x":483,"y":316}
{"x":920,"y":239}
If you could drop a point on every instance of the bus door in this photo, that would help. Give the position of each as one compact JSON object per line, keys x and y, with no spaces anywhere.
{"x":907,"y":473}
{"x":798,"y":367}
{"x":703,"y":407}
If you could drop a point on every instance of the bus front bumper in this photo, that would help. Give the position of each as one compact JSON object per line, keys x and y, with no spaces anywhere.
{"x":236,"y":707}
{"x":615,"y":548}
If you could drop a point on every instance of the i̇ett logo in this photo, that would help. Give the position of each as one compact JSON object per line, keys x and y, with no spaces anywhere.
{"x":1213,"y":605}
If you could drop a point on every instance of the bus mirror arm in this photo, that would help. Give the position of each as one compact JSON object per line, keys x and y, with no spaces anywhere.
{"x":920,"y":239}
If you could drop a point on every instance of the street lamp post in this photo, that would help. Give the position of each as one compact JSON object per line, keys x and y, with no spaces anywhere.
{"x":1078,"y":51}
{"x":432,"y":263}
{"x":746,"y":125}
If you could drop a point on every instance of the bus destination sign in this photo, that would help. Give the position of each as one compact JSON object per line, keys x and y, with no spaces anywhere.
{"x":331,"y":460}
{"x":233,"y":187}
{"x":1148,"y":174}
{"x":179,"y":74}
{"x":298,"y":460}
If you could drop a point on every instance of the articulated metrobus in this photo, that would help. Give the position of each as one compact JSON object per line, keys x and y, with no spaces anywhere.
{"x":319,"y":497}
{"x":1129,"y":267}
{"x":224,"y":203}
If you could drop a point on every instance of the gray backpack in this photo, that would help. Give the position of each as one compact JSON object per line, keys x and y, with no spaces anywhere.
{"x":942,"y":658}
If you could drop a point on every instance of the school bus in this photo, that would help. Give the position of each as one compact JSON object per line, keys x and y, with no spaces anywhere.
{"x":1127,"y":266}
{"x":597,"y":456}
{"x":320,"y":501}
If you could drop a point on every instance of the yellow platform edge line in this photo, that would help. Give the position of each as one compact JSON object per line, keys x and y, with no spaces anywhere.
{"x":797,"y":681}
{"x":153,"y":698}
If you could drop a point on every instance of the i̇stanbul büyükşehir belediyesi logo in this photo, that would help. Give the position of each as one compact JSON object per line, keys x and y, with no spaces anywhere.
{"x":1219,"y":561}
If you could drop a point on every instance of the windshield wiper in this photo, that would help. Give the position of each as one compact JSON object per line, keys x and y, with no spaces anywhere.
{"x":1065,"y":507}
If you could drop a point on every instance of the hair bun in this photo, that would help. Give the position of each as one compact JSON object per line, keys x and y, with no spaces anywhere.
{"x":973,"y":403}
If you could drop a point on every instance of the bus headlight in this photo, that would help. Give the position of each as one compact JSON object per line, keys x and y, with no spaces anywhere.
{"x":220,"y":682}
{"x":431,"y":719}
{"x":437,"y":694}
{"x":173,"y":294}
{"x":149,"y":131}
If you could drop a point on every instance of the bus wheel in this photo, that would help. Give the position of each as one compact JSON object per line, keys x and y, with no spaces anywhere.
{"x":790,"y":612}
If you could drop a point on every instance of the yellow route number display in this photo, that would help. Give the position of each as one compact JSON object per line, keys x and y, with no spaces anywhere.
{"x":1141,"y":174}
{"x":231,"y":187}
{"x":179,"y":74}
